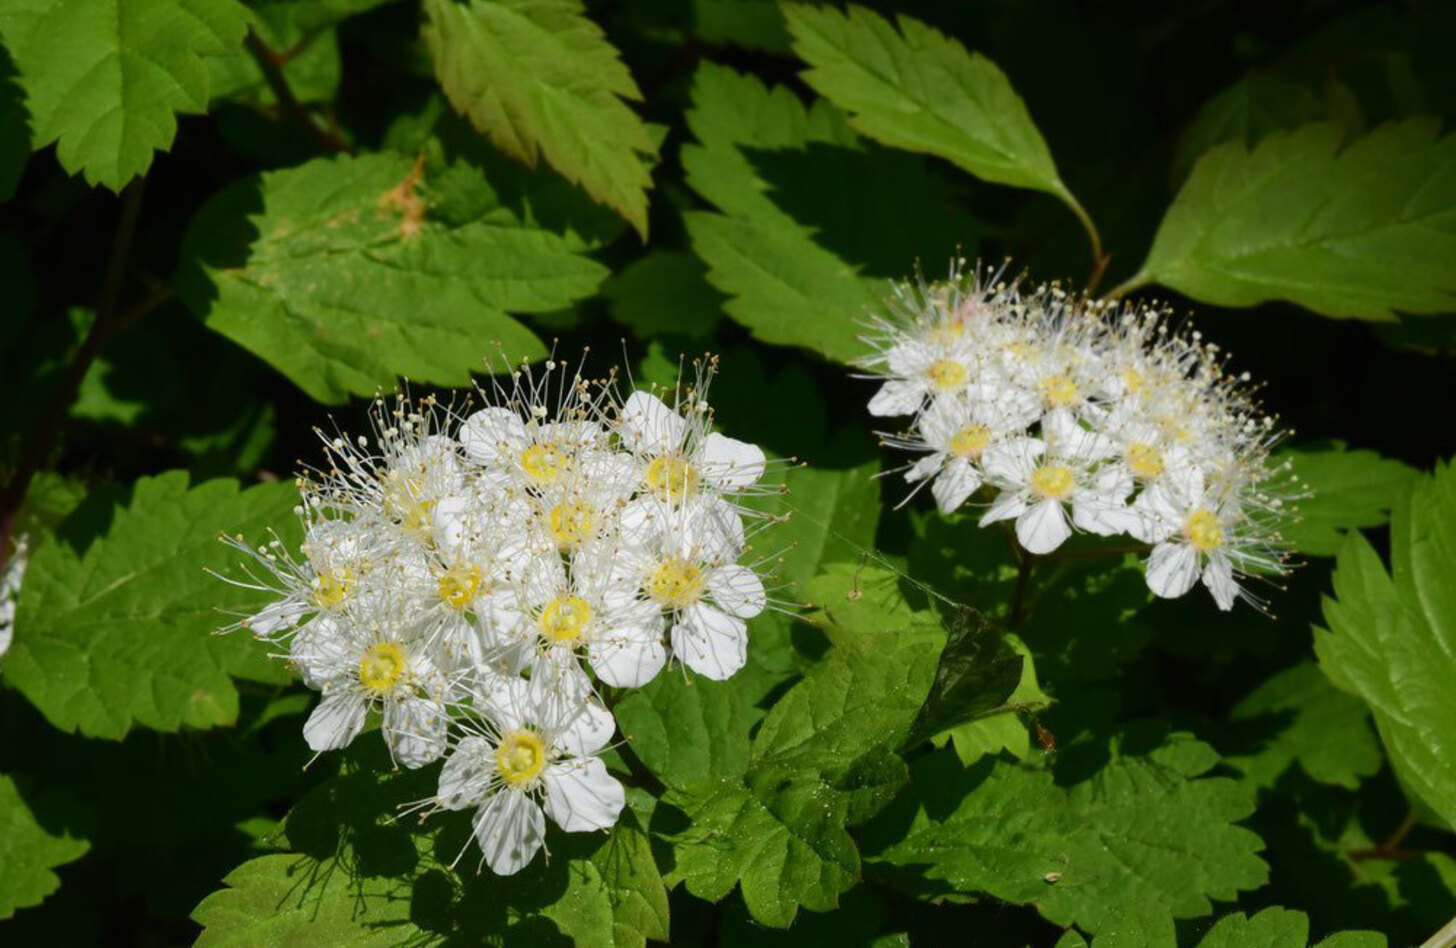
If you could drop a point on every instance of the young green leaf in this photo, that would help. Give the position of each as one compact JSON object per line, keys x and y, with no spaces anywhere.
{"x":1296,"y":716}
{"x":539,"y":78}
{"x":1347,"y":489}
{"x":917,"y":89}
{"x":1363,"y":231}
{"x":28,"y":853}
{"x":1392,"y":637}
{"x":106,"y":80}
{"x":345,"y":273}
{"x":1247,"y":110}
{"x":1148,"y":829}
{"x":120,"y":633}
{"x":1277,"y":928}
{"x":806,"y":209}
{"x":770,"y":814}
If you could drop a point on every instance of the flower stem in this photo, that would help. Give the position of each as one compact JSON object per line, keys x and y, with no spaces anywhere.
{"x":271,"y":63}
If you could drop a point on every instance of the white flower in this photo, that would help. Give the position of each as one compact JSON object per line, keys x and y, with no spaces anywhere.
{"x":374,"y":662}
{"x":686,"y":567}
{"x":957,"y":432}
{"x":679,"y":456}
{"x":1199,"y":534}
{"x":534,"y":750}
{"x":1040,"y":479}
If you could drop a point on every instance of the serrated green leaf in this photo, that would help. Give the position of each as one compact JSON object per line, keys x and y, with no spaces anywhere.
{"x":1391,"y":639}
{"x":807,"y":209}
{"x":1297,"y":716}
{"x":539,"y":78}
{"x":975,"y":676}
{"x":14,"y":127}
{"x":1277,"y":928}
{"x":120,"y":633}
{"x":769,"y":815}
{"x":28,"y":853}
{"x":1004,"y":729}
{"x":1347,"y":489}
{"x":106,"y":79}
{"x":665,"y":291}
{"x":1250,"y":108}
{"x":915,"y":88}
{"x":359,"y":877}
{"x":1147,"y":829}
{"x":346,"y":273}
{"x":1363,"y":231}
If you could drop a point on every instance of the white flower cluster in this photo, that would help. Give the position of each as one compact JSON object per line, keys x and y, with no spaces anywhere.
{"x":478,"y":577}
{"x":1071,"y":414}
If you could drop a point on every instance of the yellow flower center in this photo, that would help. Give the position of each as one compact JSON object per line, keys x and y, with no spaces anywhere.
{"x":1053,"y":481}
{"x":675,"y":582}
{"x":947,"y":375}
{"x":671,"y":477}
{"x":333,"y":586}
{"x":564,"y":619}
{"x":1145,"y":460}
{"x":459,"y":585}
{"x":970,"y":441}
{"x":571,"y":524}
{"x":520,"y":757}
{"x":948,"y":330}
{"x":1204,"y":531}
{"x":404,"y":505}
{"x":543,"y":463}
{"x":381,"y":668}
{"x":1133,"y":380}
{"x":1060,"y":391}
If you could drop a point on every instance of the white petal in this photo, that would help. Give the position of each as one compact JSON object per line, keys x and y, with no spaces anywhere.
{"x":631,"y":654}
{"x":510,"y":829}
{"x":1218,"y":576}
{"x":584,"y":727}
{"x":414,"y":728}
{"x":466,"y":774}
{"x":897,"y":397}
{"x":278,"y":617}
{"x":1043,"y":527}
{"x":958,"y":481}
{"x":731,"y":464}
{"x":1008,"y":504}
{"x":490,"y":432}
{"x":925,"y":467}
{"x":336,"y":721}
{"x":650,"y":425}
{"x":1172,"y":569}
{"x":1011,"y":462}
{"x":711,"y":643}
{"x":737,"y":590}
{"x":581,"y":795}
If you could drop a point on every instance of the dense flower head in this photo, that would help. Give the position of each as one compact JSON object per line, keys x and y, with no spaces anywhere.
{"x":1062,"y":413}
{"x":476,"y":575}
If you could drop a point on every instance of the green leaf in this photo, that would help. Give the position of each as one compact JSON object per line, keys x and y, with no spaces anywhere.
{"x":28,"y":853}
{"x":1295,"y":716}
{"x":769,"y":814}
{"x":1004,"y":729}
{"x":1347,"y":489}
{"x":1277,"y":928}
{"x":664,"y":291}
{"x":321,"y":271}
{"x":359,"y":877}
{"x":1391,"y":639}
{"x":917,"y":89}
{"x":975,"y":676}
{"x":105,"y":79}
{"x":119,"y":631}
{"x":1147,"y":829}
{"x":1363,"y":231}
{"x":1252,"y":107}
{"x":807,"y":208}
{"x":14,"y":127}
{"x":539,"y":78}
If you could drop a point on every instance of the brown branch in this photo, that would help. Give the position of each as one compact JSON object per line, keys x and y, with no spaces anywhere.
{"x":42,"y":437}
{"x":271,"y":63}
